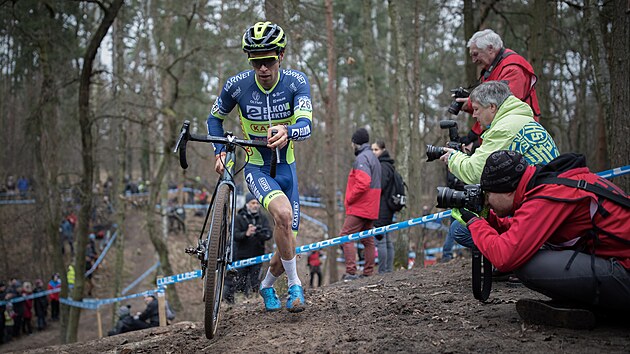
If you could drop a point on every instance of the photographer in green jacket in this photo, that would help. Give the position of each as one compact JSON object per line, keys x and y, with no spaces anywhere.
{"x":508,"y":124}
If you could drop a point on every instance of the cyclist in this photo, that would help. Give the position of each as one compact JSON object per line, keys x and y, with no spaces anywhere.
{"x":270,"y":99}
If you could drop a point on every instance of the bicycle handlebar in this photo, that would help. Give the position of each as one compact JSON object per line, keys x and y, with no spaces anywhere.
{"x":185,"y":136}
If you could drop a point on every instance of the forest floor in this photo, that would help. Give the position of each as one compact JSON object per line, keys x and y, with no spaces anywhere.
{"x":428,"y":309}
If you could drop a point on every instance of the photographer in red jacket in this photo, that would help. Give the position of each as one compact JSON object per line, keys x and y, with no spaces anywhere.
{"x":497,"y":63}
{"x":567,"y":237}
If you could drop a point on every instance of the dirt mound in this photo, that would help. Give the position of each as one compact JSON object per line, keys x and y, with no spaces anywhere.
{"x":419,"y":310}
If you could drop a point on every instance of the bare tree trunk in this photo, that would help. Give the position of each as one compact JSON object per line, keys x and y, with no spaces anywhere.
{"x":617,"y":124}
{"x":539,"y":45}
{"x":165,"y":98}
{"x":469,"y":30}
{"x":47,"y":160}
{"x":367,"y":45}
{"x":85,"y":123}
{"x":120,"y":142}
{"x":404,"y":118}
{"x":415,"y":193}
{"x":602,"y":76}
{"x":331,"y":119}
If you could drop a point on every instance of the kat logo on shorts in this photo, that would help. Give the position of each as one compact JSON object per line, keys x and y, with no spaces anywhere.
{"x":263,"y":183}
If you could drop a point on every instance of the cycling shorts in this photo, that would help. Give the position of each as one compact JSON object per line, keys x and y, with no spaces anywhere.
{"x":265,"y":189}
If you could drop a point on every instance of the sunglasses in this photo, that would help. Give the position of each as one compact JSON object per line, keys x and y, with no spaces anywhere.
{"x":267,"y":61}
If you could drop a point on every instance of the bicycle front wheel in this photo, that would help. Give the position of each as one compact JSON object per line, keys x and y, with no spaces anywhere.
{"x":217,"y":259}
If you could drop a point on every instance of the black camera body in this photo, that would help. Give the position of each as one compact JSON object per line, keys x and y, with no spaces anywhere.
{"x":471,"y":198}
{"x":455,"y":106}
{"x":260,"y":230}
{"x":434,"y":152}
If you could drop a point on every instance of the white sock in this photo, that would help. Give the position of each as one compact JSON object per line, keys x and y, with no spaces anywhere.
{"x":269,"y":280}
{"x":291,"y":270}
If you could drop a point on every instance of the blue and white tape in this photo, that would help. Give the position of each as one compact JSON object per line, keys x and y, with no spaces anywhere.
{"x":314,"y":246}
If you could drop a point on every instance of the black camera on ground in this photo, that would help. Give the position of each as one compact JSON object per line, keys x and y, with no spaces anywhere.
{"x":434,"y":152}
{"x":471,"y":198}
{"x":455,"y":106}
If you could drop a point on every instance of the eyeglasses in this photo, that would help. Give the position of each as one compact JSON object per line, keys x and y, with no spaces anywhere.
{"x":267,"y":61}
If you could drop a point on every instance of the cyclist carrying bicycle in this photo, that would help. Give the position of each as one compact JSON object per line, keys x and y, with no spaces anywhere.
{"x":270,"y":99}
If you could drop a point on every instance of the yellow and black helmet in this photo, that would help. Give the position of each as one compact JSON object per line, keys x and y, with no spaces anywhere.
{"x":263,"y":37}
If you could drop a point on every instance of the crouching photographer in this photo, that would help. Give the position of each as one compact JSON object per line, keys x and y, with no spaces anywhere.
{"x":508,"y":123}
{"x":562,"y":230}
{"x":251,"y":231}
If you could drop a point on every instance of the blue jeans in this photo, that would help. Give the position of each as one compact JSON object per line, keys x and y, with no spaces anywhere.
{"x":385,"y":254}
{"x":460,"y":234}
{"x":447,"y":248}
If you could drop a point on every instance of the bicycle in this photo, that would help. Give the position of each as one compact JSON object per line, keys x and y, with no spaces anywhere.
{"x":215,"y":251}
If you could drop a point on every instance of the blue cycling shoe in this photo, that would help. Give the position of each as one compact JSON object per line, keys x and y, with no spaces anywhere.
{"x":295,"y":299}
{"x":272,"y":302}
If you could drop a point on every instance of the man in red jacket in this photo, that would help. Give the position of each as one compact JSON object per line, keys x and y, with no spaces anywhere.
{"x":500,"y":64}
{"x":571,"y":243}
{"x":363,"y":194}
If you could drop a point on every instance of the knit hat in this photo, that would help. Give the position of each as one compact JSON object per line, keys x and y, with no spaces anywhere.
{"x":123,"y":311}
{"x":361,"y":136}
{"x":503,"y":171}
{"x":249,"y":197}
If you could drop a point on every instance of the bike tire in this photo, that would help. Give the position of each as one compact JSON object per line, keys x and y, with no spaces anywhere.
{"x":216,"y":260}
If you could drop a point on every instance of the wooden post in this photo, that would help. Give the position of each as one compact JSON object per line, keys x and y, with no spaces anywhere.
{"x":100,"y":323}
{"x":162,"y":308}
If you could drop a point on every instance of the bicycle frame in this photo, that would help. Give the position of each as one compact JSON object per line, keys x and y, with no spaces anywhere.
{"x":219,"y":210}
{"x":226,"y":178}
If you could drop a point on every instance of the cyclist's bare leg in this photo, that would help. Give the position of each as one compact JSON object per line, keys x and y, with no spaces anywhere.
{"x":280,"y":210}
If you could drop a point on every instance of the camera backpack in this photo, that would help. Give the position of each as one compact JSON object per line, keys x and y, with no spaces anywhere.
{"x":397,"y":194}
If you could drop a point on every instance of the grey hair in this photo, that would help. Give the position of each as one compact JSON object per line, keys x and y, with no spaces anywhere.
{"x":491,"y":92}
{"x":484,"y":39}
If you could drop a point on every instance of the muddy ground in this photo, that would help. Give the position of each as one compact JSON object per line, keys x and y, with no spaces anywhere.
{"x":420,"y":310}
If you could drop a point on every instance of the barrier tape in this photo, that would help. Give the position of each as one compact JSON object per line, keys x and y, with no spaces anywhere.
{"x":313,"y":246}
{"x":100,"y":302}
{"x":102,"y":255}
{"x":144,"y":275}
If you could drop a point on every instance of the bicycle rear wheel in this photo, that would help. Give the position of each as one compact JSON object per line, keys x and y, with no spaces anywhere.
{"x":216,"y":259}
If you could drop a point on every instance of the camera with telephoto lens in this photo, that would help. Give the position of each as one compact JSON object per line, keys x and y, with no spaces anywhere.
{"x":455,"y":106}
{"x":471,"y":198}
{"x":434,"y":152}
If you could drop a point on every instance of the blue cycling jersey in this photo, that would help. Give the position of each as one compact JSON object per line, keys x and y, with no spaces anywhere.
{"x":287,"y":102}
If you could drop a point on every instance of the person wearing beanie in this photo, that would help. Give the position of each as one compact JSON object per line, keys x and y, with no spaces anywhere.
{"x":508,"y":124}
{"x":251,"y":231}
{"x":360,"y":136}
{"x":567,"y":240}
{"x":363,"y":194}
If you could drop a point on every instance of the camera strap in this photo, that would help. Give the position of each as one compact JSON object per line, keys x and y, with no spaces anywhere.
{"x":481,"y":282}
{"x":502,"y":55}
{"x":589,"y":187}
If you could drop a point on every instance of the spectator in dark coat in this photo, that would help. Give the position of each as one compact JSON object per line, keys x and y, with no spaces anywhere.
{"x":40,"y":305}
{"x":126,"y":323}
{"x":18,"y":307}
{"x":150,"y":313}
{"x":251,"y":231}
{"x":384,"y":242}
